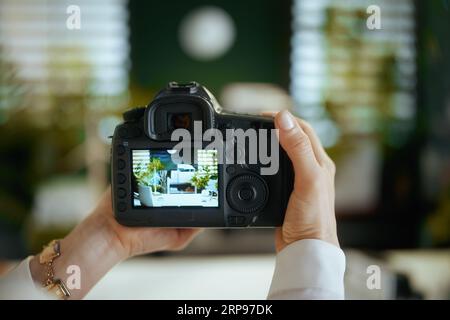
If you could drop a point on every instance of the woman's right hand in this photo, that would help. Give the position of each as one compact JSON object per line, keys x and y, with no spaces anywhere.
{"x":310,"y":212}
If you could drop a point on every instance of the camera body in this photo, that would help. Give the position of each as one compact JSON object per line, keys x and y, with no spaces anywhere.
{"x":154,"y":185}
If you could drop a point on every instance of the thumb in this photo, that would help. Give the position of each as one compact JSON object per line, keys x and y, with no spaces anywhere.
{"x":297,"y":145}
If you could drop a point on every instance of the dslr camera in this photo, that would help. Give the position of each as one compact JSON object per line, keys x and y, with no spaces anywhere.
{"x":183,"y":162}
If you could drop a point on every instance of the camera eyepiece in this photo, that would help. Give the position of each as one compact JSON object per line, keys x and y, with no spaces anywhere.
{"x":178,"y":106}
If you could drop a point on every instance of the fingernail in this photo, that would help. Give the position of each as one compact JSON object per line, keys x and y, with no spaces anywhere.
{"x":269,"y":113}
{"x":286,"y":120}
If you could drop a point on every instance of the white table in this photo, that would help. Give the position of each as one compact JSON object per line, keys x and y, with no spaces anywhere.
{"x":197,"y":277}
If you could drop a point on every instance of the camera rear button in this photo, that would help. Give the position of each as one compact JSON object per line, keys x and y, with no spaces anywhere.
{"x":246,"y":194}
{"x":120,"y":150}
{"x":121,"y":178}
{"x":236,"y":220}
{"x":122,"y":193}
{"x":121,"y":164}
{"x":231,"y":170}
{"x":240,"y":220}
{"x":122,"y":206}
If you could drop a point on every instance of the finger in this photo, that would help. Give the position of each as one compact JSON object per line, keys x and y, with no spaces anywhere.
{"x":269,"y":113}
{"x":297,"y":144}
{"x":319,"y":151}
{"x":322,"y":156}
{"x":185,"y":236}
{"x":189,"y":232}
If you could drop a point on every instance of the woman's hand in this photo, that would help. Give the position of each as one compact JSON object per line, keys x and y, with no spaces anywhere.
{"x":310,"y":212}
{"x":98,"y":243}
{"x":140,"y":240}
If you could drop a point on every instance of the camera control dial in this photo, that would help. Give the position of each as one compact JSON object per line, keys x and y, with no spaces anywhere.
{"x":247,"y":193}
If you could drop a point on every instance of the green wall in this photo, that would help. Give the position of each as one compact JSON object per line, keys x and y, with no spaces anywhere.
{"x":260,"y":52}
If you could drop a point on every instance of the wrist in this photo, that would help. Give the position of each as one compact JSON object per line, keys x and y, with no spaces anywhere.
{"x":106,"y":230}
{"x":283,"y":238}
{"x":92,"y":247}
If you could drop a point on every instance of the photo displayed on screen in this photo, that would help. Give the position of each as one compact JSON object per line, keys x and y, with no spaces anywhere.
{"x":159,"y":182}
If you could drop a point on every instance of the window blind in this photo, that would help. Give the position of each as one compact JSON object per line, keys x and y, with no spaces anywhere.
{"x":345,"y":78}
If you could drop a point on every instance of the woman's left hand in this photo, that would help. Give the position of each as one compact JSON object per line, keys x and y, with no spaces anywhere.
{"x":140,"y":240}
{"x":99,"y":242}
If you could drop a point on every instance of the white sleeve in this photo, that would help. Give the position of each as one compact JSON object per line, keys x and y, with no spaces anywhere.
{"x":309,"y":269}
{"x":19,"y":285}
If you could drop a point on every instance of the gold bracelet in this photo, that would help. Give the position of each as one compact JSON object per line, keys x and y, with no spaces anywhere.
{"x":49,"y":253}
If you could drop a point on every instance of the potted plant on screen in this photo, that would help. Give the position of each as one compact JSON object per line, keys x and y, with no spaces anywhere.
{"x":149,"y":181}
{"x":200,"y":180}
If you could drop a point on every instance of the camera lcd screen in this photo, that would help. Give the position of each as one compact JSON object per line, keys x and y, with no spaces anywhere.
{"x":160,"y":182}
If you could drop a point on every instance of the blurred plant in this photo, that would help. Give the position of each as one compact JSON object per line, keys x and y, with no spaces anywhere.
{"x":12,"y":89}
{"x":42,"y":136}
{"x":438,"y":223}
{"x":373,"y":115}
